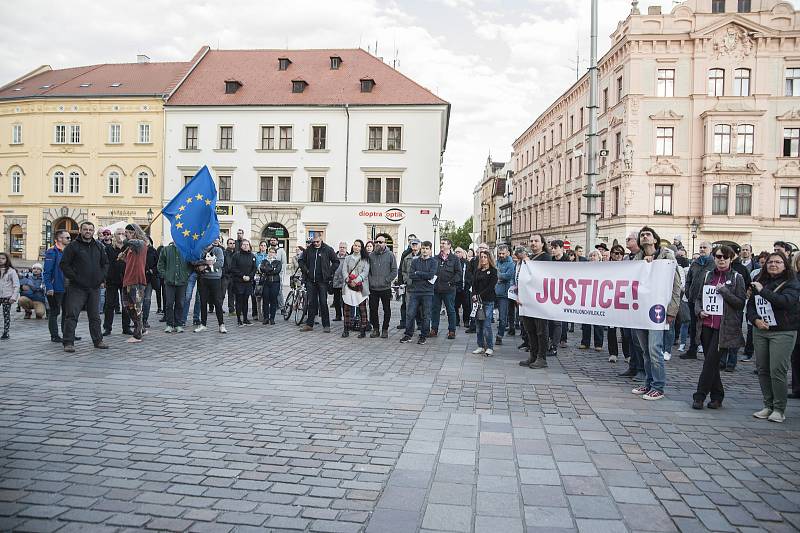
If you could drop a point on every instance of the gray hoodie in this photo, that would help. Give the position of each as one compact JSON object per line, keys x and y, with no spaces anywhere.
{"x":382,"y":270}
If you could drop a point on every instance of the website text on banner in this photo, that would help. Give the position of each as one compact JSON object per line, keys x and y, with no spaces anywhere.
{"x":628,"y":294}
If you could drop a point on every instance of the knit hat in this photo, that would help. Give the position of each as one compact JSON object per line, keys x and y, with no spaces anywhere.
{"x":37,"y":265}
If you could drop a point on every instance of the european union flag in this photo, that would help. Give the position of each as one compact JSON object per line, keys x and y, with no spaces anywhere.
{"x":193,"y":215}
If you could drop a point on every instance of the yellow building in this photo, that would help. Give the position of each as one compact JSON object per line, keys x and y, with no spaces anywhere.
{"x":81,"y":144}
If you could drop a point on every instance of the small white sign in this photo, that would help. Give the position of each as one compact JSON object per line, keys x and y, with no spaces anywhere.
{"x":513,"y":293}
{"x":712,"y":301}
{"x":765,"y":311}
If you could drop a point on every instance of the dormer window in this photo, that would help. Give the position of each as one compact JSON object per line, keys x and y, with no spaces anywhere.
{"x":44,"y":87}
{"x":367,"y":84}
{"x":231,"y":86}
{"x":86,"y":85}
{"x":298,"y":86}
{"x":336,"y":62}
{"x":283,"y":63}
{"x":117,"y":84}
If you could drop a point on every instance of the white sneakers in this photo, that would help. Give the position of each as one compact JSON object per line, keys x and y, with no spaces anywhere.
{"x":199,"y":329}
{"x":178,"y":329}
{"x":168,"y":329}
{"x":489,"y":352}
{"x":478,"y":351}
{"x":612,"y":358}
{"x":222,"y":329}
{"x":763,"y":414}
{"x":769,"y":414}
{"x":667,"y":356}
{"x":682,"y":348}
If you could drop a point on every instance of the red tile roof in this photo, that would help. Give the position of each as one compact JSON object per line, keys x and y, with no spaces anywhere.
{"x":264,"y":84}
{"x":134,"y":79}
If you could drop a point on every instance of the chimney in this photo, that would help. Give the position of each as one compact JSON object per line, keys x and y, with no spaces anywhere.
{"x":653,"y":10}
{"x":141,"y":58}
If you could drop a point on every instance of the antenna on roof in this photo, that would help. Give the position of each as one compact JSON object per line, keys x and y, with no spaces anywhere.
{"x":376,"y":47}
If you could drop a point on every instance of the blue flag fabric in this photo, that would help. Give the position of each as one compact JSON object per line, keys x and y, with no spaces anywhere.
{"x":193,"y":215}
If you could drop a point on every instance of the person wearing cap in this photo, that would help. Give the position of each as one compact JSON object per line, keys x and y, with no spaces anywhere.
{"x":54,"y":284}
{"x":677,"y":243}
{"x":32,"y":292}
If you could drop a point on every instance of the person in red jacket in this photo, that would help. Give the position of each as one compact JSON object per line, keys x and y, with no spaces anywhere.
{"x":134,"y":280}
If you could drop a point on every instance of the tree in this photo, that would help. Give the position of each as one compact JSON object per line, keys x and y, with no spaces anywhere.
{"x":459,"y":235}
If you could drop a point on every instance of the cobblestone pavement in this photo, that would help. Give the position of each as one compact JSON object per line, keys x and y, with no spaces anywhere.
{"x":270,"y":429}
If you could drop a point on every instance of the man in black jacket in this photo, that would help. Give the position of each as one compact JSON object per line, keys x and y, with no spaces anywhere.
{"x":113,"y":281}
{"x":227,"y":287}
{"x":320,"y":262}
{"x":536,"y":329}
{"x":84,"y":264}
{"x":401,"y":281}
{"x":444,"y":289}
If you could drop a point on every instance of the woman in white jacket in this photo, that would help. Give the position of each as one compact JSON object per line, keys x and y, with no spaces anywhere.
{"x":354,"y":277}
{"x":9,"y":290}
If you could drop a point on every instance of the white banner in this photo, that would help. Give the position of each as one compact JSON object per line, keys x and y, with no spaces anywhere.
{"x":628,"y":294}
{"x":764,"y":310}
{"x":712,"y":301}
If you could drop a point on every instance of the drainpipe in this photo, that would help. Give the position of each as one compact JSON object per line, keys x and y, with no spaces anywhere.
{"x":347,"y":152}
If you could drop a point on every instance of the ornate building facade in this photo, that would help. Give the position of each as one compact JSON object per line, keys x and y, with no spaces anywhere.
{"x":699,"y":131}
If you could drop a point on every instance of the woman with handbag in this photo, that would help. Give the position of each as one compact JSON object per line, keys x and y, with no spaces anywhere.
{"x":354,"y":276}
{"x":483,"y":298}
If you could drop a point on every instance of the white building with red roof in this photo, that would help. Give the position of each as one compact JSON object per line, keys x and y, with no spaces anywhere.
{"x":309,"y":142}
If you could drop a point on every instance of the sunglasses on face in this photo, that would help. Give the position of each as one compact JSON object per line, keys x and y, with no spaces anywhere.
{"x":380,"y":242}
{"x":616,"y":253}
{"x":718,"y":256}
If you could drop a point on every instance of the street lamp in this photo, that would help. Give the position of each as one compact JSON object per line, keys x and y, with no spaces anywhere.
{"x":435,"y":221}
{"x":694,"y":226}
{"x":149,"y":219}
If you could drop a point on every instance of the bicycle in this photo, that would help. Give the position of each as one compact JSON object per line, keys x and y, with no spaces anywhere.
{"x":295,"y":302}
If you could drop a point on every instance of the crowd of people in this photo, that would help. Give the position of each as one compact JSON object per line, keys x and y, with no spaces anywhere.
{"x":118,"y":272}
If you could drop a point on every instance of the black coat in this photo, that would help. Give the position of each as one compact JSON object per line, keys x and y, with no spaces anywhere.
{"x":448,"y":275}
{"x":151,"y":267}
{"x":270,"y":270}
{"x":242,"y":264}
{"x":85,"y":264}
{"x":116,"y":267}
{"x":484,"y":283}
{"x":465,"y":276}
{"x":784,"y":303}
{"x":322,"y":260}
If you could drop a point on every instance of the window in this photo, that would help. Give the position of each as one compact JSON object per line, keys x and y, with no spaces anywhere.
{"x":143,"y":183}
{"x":791,"y":142}
{"x":716,"y":82}
{"x":744,"y":138}
{"x":285,"y":141}
{"x":602,"y":204}
{"x":231,"y":86}
{"x":75,"y":133}
{"x":580,"y":112}
{"x":664,"y":141}
{"x":788,"y":204}
{"x":284,"y":189}
{"x":190,"y":138}
{"x":793,"y":82}
{"x":224,"y":188}
{"x":744,"y":6}
{"x":298,"y":86}
{"x":744,"y":199}
{"x":392,"y":190}
{"x":665,"y":84}
{"x":114,"y":133}
{"x":60,"y":134}
{"x":571,"y":124}
{"x":16,"y":134}
{"x":375,"y":138}
{"x":283,"y":63}
{"x":722,"y":139}
{"x":618,"y":146}
{"x":58,"y":182}
{"x":226,"y":137}
{"x":718,"y":6}
{"x":144,"y":133}
{"x":16,"y":182}
{"x":373,"y":190}
{"x":336,"y":62}
{"x":113,"y":182}
{"x":74,"y":184}
{"x":186,"y":180}
{"x":663,"y":200}
{"x":619,"y":89}
{"x":741,"y":82}
{"x":393,"y":138}
{"x":605,"y":99}
{"x":266,"y":189}
{"x":615,"y":206}
{"x":267,"y":137}
{"x":367,"y":85}
{"x":560,"y":132}
{"x":719,"y":199}
{"x":317,"y":189}
{"x":319,"y":137}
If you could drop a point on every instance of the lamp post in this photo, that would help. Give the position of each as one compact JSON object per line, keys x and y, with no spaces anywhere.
{"x":435,"y":221}
{"x":694,"y":226}
{"x":149,"y":220}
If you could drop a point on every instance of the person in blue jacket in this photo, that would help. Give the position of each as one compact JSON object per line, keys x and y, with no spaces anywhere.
{"x":505,"y":274}
{"x":422,"y":272}
{"x":54,"y":284}
{"x":31,"y":293}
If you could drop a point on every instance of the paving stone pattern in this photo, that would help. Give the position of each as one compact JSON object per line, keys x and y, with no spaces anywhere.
{"x":270,"y":429}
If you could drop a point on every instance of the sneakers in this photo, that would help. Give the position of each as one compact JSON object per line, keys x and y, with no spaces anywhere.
{"x":640,"y":390}
{"x":168,"y":329}
{"x":746,"y":358}
{"x":199,"y":329}
{"x":667,"y":356}
{"x":682,"y":347}
{"x":776,"y":416}
{"x":421,"y":340}
{"x":489,"y":352}
{"x":653,"y":395}
{"x":598,"y":348}
{"x":699,"y":349}
{"x":612,"y":358}
{"x":326,"y":329}
{"x":405,"y":339}
{"x":478,"y":351}
{"x":451,"y":335}
{"x":222,"y":329}
{"x":247,"y":323}
{"x":628,"y":373}
{"x":498,"y":341}
{"x":763,"y":414}
{"x":71,"y":349}
{"x":583,"y":347}
{"x":179,"y":329}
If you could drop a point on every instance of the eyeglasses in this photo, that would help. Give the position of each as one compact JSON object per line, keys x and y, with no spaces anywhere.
{"x":617,"y":252}
{"x":380,"y":242}
{"x":774,"y":262}
{"x":718,"y":256}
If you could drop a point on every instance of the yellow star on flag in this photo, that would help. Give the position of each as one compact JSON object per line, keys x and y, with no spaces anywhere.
{"x":186,"y":233}
{"x":195,"y":236}
{"x":208,"y":202}
{"x":199,"y":196}
{"x":179,"y":225}
{"x":178,"y":216}
{"x":182,"y":208}
{"x":189,"y":200}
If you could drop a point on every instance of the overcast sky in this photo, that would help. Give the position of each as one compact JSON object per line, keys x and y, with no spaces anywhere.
{"x":498,"y":62}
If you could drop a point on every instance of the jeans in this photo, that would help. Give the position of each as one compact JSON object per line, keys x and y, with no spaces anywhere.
{"x":102,"y":299}
{"x":484,"y":327}
{"x":174,"y":301}
{"x":109,"y":307}
{"x":209,"y":291}
{"x":710,"y":382}
{"x":403,"y":311}
{"x":636,"y":358}
{"x":652,"y":342}
{"x":684,"y":333}
{"x":383,"y":297}
{"x":501,"y":302}
{"x":75,"y":299}
{"x":773,"y":353}
{"x":586,"y":335}
{"x":318,"y":303}
{"x":56,"y":302}
{"x":419,"y":302}
{"x":269,"y":300}
{"x":189,"y":291}
{"x":449,"y":300}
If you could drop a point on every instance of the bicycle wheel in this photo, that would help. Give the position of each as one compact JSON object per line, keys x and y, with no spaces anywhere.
{"x":300,"y":309}
{"x":288,"y":306}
